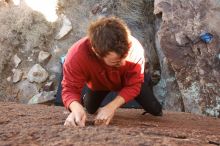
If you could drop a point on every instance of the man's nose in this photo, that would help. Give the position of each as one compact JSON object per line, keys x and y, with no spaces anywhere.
{"x":122,"y":62}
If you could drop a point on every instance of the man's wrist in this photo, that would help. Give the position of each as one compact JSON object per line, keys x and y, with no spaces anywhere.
{"x":73,"y":104}
{"x":116,"y":103}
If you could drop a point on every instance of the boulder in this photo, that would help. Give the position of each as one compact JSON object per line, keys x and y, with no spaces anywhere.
{"x":65,"y":29}
{"x":9,"y":79}
{"x":16,"y":60}
{"x":194,"y":62}
{"x":37,"y":74}
{"x":42,"y":97}
{"x":26,"y":90}
{"x":167,"y":89}
{"x":17,"y":75}
{"x":43,"y":56}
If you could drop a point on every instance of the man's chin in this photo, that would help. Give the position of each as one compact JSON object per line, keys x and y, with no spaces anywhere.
{"x":119,"y":65}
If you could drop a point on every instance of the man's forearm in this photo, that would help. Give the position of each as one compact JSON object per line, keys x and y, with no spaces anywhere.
{"x":116,"y":103}
{"x":73,"y":105}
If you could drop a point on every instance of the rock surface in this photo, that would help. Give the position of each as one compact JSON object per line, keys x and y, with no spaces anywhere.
{"x":17,"y":75}
{"x":26,"y":91}
{"x":43,"y":97}
{"x":65,"y":29}
{"x":16,"y":60}
{"x":43,"y":125}
{"x":43,"y":56}
{"x":194,"y":63}
{"x":37,"y":74}
{"x":49,"y":86}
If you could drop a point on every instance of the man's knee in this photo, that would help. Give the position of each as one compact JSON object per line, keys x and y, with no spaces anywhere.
{"x":148,"y":101}
{"x":88,"y":104}
{"x":156,"y":109}
{"x":90,"y":110}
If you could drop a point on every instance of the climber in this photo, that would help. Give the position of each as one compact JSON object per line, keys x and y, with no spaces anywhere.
{"x":107,"y":59}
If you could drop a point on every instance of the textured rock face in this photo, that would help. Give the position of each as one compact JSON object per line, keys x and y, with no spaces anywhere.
{"x":195,"y":63}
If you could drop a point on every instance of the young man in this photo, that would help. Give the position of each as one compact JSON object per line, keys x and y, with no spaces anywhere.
{"x":108,"y":59}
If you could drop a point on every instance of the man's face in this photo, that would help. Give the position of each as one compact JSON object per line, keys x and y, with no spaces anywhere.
{"x":114,"y":60}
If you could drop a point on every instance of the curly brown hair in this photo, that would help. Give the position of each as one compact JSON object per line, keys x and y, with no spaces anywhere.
{"x":109,"y":34}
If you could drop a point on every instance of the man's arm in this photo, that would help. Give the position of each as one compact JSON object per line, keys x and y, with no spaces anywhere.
{"x":134,"y":76}
{"x":116,"y":103}
{"x":106,"y":113}
{"x":133,"y":82}
{"x":72,"y":84}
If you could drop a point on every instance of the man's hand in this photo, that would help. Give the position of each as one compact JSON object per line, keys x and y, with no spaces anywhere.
{"x":105,"y":114}
{"x":77,"y":117}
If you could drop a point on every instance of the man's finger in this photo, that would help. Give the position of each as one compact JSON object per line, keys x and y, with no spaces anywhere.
{"x":97,"y":117}
{"x":84,"y":120}
{"x":100,"y":122}
{"x":99,"y":114}
{"x":80,"y":121}
{"x":97,"y":122}
{"x":70,"y":123}
{"x":65,"y":124}
{"x":77,"y":122}
{"x":108,"y":121}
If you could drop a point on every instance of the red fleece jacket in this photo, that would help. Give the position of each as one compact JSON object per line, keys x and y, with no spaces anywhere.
{"x":83,"y":66}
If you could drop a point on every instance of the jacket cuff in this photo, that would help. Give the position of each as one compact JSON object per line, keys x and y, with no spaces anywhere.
{"x":126,"y":97}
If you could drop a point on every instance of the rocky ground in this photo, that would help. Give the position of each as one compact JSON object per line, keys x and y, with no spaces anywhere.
{"x":43,"y":125}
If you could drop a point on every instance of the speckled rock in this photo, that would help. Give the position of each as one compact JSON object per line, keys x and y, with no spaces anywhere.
{"x":42,"y":97}
{"x":37,"y":74}
{"x":195,"y":63}
{"x":43,"y":56}
{"x":17,"y":75}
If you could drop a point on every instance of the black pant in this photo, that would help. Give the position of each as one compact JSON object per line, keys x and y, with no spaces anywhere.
{"x":93,"y":99}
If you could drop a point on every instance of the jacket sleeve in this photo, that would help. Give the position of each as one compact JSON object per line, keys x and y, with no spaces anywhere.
{"x":72,"y":83}
{"x":134,"y":77}
{"x":133,"y":81}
